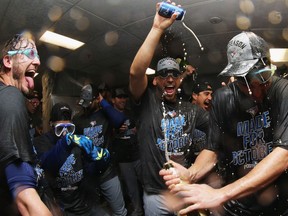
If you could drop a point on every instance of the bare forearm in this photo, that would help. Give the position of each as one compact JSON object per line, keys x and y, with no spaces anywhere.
{"x":145,"y":54}
{"x":142,"y":60}
{"x":262,"y":175}
{"x":204,"y":163}
{"x":30,"y":204}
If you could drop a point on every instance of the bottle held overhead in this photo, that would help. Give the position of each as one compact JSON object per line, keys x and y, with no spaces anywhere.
{"x":167,"y":10}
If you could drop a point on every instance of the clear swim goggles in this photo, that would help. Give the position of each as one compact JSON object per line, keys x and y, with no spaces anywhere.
{"x":29,"y":52}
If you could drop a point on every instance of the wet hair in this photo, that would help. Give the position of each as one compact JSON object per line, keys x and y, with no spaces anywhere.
{"x":18,"y":41}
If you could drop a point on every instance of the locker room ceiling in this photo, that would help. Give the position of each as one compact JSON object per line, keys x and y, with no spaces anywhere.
{"x":113,"y":31}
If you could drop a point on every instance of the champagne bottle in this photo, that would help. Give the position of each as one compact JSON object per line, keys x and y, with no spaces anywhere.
{"x":182,"y":63}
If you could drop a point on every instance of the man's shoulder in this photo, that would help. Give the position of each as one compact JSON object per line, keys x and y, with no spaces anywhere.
{"x":11,"y":90}
{"x":12,"y":99}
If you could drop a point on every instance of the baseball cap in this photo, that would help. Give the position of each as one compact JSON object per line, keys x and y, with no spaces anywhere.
{"x":87,"y":94}
{"x":167,"y":64}
{"x":60,"y":111}
{"x":202,"y":86}
{"x":34,"y":94}
{"x":119,"y":92}
{"x":103,"y":87}
{"x":243,"y":52}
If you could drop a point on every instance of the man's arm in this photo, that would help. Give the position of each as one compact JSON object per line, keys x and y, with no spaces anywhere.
{"x":115,"y":117}
{"x":138,"y":79}
{"x":30,"y":204}
{"x":265,"y":172}
{"x":204,"y":163}
{"x":22,"y":181}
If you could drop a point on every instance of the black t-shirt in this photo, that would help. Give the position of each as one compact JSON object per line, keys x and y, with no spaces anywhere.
{"x":244,"y":133}
{"x":124,"y":146}
{"x":66,"y":174}
{"x":96,"y":126}
{"x":179,"y":123}
{"x":15,"y":142}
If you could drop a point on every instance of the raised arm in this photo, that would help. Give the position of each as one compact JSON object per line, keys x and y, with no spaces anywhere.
{"x":143,"y":58}
{"x":116,"y":117}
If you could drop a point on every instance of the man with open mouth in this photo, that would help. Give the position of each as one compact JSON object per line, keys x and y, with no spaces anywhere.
{"x":166,"y":123}
{"x":18,"y":181}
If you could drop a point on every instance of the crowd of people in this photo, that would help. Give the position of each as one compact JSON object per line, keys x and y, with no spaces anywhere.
{"x":142,"y":149}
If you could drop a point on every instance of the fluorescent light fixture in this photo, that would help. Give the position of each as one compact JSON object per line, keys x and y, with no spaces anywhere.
{"x":279,"y":54}
{"x":150,"y":71}
{"x":60,"y":40}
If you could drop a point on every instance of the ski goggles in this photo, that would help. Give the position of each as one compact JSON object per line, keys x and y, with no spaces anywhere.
{"x":29,"y":52}
{"x":60,"y":128}
{"x":165,"y":73}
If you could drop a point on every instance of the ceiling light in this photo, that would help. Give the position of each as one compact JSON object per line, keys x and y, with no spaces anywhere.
{"x":279,"y":54}
{"x":150,"y":71}
{"x":60,"y":40}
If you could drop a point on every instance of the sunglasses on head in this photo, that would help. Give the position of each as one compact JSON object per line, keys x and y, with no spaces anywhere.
{"x":166,"y":73}
{"x":29,"y":52}
{"x":64,"y":127}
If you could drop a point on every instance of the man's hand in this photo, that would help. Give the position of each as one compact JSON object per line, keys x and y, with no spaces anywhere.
{"x":231,"y":79}
{"x":198,"y":196}
{"x":171,"y":179}
{"x":162,"y":22}
{"x":81,"y":141}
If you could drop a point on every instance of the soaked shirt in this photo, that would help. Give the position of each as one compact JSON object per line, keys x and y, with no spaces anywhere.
{"x":15,"y":142}
{"x":165,"y":130}
{"x":244,"y":133}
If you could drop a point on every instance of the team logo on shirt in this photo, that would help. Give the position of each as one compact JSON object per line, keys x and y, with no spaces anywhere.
{"x":173,"y":134}
{"x":255,"y":148}
{"x":67,"y":175}
{"x":95,"y":133}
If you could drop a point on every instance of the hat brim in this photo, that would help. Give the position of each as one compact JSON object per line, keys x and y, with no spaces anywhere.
{"x":238,"y":69}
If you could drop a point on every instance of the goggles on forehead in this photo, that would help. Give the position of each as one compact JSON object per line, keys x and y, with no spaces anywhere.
{"x":166,"y":73}
{"x":64,"y":127}
{"x":263,"y":75}
{"x":29,"y":52}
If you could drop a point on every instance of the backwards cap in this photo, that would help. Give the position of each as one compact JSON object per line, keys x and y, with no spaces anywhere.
{"x":243,"y":52}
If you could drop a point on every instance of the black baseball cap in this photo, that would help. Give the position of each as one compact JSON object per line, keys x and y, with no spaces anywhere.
{"x":202,"y":86}
{"x":119,"y":92}
{"x":60,"y":111}
{"x":34,"y":94}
